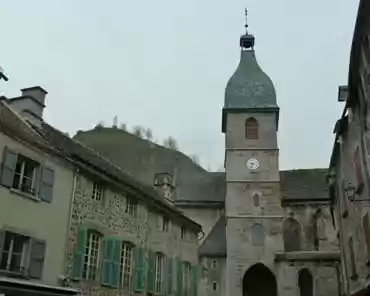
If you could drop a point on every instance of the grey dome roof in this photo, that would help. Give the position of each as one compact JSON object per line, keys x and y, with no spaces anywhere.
{"x":249,"y":87}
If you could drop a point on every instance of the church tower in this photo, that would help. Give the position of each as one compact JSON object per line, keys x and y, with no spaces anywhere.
{"x":252,"y":205}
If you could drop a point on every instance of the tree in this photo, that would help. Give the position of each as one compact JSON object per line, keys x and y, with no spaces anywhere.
{"x":148,"y":134}
{"x":100,"y":124}
{"x":115,"y":122}
{"x":170,"y":142}
{"x":195,"y":158}
{"x":138,"y":131}
{"x":123,"y":127}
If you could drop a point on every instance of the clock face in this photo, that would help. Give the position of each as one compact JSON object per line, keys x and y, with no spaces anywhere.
{"x":252,"y":164}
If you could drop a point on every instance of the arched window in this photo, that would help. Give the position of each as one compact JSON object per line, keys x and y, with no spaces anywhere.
{"x":305,"y":282}
{"x":251,"y":128}
{"x":258,"y":235}
{"x":256,"y":200}
{"x":291,"y":235}
{"x":318,"y":228}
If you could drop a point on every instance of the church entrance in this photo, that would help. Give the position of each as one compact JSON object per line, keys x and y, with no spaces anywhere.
{"x":258,"y":280}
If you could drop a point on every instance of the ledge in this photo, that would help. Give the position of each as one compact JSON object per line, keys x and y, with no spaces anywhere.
{"x":24,"y":194}
{"x":308,"y":256}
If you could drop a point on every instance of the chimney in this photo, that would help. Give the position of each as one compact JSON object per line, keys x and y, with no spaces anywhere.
{"x":31,"y":104}
{"x":163,"y":185}
{"x":36,"y":92}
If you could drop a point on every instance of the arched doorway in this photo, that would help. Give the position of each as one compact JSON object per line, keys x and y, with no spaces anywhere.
{"x":259,"y":281}
{"x":305,"y":282}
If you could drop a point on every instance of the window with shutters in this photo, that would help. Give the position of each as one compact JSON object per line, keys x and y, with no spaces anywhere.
{"x":23,"y":174}
{"x":126,"y":264}
{"x":97,"y":191}
{"x":159,"y":263}
{"x":91,"y":255}
{"x":131,"y":205}
{"x":251,"y":128}
{"x":14,"y":252}
{"x":21,"y":255}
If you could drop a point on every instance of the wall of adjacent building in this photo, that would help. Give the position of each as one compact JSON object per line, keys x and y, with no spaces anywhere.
{"x":110,"y":219}
{"x":28,"y":215}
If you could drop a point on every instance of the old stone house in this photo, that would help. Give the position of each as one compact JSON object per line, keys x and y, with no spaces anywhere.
{"x":265,"y":231}
{"x":96,"y":229}
{"x":349,"y":165}
{"x":35,"y":188}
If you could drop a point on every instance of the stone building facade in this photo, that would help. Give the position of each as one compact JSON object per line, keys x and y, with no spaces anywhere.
{"x":349,"y":166}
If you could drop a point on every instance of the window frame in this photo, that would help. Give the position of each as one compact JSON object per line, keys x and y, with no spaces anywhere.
{"x":89,"y":256}
{"x":159,"y":272}
{"x":97,"y":191}
{"x":20,"y":177}
{"x":24,"y":254}
{"x":131,"y":205}
{"x":127,"y":258}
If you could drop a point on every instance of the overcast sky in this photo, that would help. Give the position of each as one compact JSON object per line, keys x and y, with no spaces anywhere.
{"x":164,"y":64}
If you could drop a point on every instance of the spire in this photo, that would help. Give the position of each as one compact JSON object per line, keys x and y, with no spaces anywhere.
{"x":246,"y":40}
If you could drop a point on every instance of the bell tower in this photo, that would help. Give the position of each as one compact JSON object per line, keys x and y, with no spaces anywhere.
{"x":254,"y":215}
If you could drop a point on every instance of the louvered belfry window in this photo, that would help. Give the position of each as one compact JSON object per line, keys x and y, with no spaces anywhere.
{"x":251,"y":128}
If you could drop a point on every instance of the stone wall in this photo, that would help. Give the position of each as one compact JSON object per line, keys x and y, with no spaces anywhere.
{"x":109,"y":217}
{"x":304,"y":214}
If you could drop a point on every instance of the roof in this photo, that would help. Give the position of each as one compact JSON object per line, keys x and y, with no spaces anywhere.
{"x":304,"y":185}
{"x":55,"y":141}
{"x":215,"y":243}
{"x":143,"y":159}
{"x":249,"y":86}
{"x":194,"y":185}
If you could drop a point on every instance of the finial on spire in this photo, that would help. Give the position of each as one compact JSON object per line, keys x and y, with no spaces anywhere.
{"x":247,"y":40}
{"x":246,"y":18}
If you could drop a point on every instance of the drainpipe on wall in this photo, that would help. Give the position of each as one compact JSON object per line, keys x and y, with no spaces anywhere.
{"x":69,"y":223}
{"x":340,"y":217}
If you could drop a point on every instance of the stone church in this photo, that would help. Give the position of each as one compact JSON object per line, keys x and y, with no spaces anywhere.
{"x":265,"y":231}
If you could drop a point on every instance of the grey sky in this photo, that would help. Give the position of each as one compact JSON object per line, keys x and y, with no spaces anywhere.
{"x":164,"y":65}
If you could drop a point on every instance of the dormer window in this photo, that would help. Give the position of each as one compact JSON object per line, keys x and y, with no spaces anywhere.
{"x":251,"y":128}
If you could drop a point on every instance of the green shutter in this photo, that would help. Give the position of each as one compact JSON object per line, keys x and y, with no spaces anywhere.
{"x":78,"y":259}
{"x":169,"y":276}
{"x":151,"y":272}
{"x":116,"y":264}
{"x":139,"y":269}
{"x":107,"y":261}
{"x":195,"y":279}
{"x":8,"y":170}
{"x":179,"y":277}
{"x":164,"y":276}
